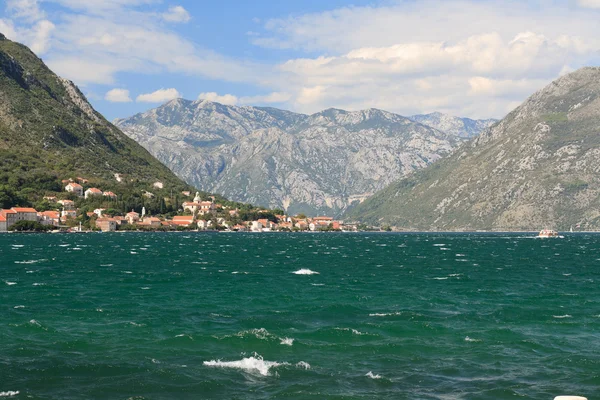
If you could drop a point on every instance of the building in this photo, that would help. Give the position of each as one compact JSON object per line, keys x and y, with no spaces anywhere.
{"x":151,"y":221}
{"x":206,"y":207}
{"x":3,"y":226}
{"x":25,"y":214}
{"x":49,"y":218}
{"x":50,"y":199}
{"x":74,"y":188}
{"x":183,"y":220}
{"x":67,"y":204}
{"x":202,"y":224}
{"x":92,"y":192}
{"x":110,"y":195}
{"x":106,"y":224}
{"x":132,"y":217}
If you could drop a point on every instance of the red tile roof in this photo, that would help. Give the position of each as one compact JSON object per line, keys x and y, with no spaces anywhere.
{"x":94,"y":190}
{"x":2,"y":218}
{"x":24,"y":210}
{"x":75,"y":185}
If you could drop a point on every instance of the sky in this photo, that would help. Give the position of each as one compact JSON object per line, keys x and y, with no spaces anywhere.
{"x":469,"y":58}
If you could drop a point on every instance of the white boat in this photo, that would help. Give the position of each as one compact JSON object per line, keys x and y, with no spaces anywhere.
{"x":547,"y":233}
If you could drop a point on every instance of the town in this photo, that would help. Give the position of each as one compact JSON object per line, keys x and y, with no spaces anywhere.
{"x":196,"y":213}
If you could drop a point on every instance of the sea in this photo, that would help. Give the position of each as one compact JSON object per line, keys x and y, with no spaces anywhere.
{"x":299,"y":316}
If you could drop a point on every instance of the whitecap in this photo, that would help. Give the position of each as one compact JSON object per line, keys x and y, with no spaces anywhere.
{"x":439,"y":244}
{"x":305,"y":271}
{"x":373,"y":376}
{"x":287,"y":341}
{"x":38,"y":284}
{"x":251,"y":365}
{"x":18,"y":245}
{"x":145,"y":288}
{"x":30,"y":261}
{"x":317,"y":284}
{"x":562,"y":316}
{"x":385,"y":314}
{"x":132,"y":252}
{"x":303,"y":364}
{"x":441,"y":278}
{"x":468,"y":339}
{"x":10,"y":283}
{"x":19,"y":307}
{"x":354,"y":331}
{"x":9,"y":393}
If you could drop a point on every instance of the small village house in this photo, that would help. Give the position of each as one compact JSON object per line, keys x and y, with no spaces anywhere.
{"x":92,"y":192}
{"x":106,"y":224}
{"x":74,"y":188}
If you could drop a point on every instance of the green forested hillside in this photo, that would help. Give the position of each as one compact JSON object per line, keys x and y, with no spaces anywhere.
{"x":49,"y":132}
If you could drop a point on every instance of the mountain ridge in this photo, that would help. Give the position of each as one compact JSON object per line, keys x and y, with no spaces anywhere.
{"x":318,"y":163}
{"x":535,"y":168}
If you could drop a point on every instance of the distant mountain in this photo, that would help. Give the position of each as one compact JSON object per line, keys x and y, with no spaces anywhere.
{"x":49,"y":132}
{"x":462,"y":127}
{"x":537,"y":168}
{"x":318,"y":163}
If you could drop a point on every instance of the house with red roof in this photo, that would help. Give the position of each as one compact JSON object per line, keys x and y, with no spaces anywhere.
{"x":74,"y":188}
{"x":106,"y":224}
{"x":183,"y":220}
{"x":110,"y":195}
{"x":49,"y":218}
{"x":93,"y":192}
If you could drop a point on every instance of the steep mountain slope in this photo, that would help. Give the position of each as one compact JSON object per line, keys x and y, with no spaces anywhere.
{"x":48,"y":132}
{"x":303,"y":163}
{"x":536,"y":168}
{"x":462,"y":127}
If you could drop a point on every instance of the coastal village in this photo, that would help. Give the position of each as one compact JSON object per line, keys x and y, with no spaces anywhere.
{"x":195,"y":214}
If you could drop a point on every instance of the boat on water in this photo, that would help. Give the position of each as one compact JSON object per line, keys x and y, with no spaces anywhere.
{"x":547,"y":233}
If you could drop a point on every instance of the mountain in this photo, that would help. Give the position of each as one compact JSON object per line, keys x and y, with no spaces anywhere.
{"x":318,"y":163}
{"x":462,"y":127}
{"x":49,"y":132}
{"x":536,"y":168}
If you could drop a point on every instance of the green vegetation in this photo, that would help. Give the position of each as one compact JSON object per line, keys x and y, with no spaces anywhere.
{"x":48,"y":132}
{"x":29,"y":226}
{"x":555,"y":117}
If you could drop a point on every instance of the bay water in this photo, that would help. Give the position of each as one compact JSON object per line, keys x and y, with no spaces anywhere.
{"x":299,"y":316}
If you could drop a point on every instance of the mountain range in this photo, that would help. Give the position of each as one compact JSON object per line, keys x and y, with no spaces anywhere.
{"x":536,"y":168}
{"x":465,"y":128}
{"x":319,"y":163}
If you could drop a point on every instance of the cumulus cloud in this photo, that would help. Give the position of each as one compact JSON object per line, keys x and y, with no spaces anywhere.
{"x":159,"y":96}
{"x":228,"y":99}
{"x":176,"y":14}
{"x":118,"y":96}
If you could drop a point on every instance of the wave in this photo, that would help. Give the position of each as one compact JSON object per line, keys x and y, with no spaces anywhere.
{"x":10,"y":283}
{"x":305,"y":271}
{"x":354,"y":331}
{"x":9,"y":393}
{"x":287,"y":341}
{"x":468,"y":339}
{"x":252,"y":365}
{"x":395,"y":314}
{"x":562,"y":316}
{"x":371,"y":375}
{"x":31,"y":261}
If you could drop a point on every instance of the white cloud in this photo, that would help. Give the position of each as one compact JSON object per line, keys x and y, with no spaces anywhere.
{"x":589,"y":3}
{"x":176,"y":14}
{"x":40,"y":36}
{"x":228,"y":99}
{"x":159,"y":96}
{"x":118,"y":96}
{"x":82,"y":71}
{"x":274,"y":97}
{"x":25,"y":9}
{"x":7,"y":27}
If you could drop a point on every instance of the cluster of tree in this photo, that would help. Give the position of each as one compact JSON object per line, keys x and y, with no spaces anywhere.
{"x":29,"y":226}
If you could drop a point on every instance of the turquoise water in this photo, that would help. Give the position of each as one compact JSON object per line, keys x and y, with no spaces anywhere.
{"x":298,"y":316}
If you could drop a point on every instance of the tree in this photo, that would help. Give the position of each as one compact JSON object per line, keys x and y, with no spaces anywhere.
{"x":29,"y":226}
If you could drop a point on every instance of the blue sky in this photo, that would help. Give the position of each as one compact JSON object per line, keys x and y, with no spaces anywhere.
{"x":465,"y":57}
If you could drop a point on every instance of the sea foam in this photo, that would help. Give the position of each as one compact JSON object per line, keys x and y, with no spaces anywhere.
{"x":9,"y":393}
{"x":305,"y":271}
{"x":371,"y":375}
{"x":252,"y":365}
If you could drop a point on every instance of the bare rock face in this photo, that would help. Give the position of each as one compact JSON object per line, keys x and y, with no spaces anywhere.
{"x":536,"y":168}
{"x":320,"y":163}
{"x":462,"y":127}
